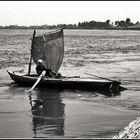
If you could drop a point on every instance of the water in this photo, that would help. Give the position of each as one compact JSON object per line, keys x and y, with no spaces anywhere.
{"x":65,"y":113}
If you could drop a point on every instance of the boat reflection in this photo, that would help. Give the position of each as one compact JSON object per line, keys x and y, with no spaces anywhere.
{"x":48,"y":113}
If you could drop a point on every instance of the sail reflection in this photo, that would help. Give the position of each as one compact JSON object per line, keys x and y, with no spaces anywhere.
{"x":48,"y":113}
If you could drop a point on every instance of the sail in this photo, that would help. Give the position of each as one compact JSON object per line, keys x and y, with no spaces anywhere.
{"x":50,"y":48}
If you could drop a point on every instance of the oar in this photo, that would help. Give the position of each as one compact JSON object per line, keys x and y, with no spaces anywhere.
{"x":102,"y":78}
{"x":38,"y":80}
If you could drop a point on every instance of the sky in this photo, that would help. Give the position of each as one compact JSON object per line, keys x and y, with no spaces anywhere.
{"x":26,"y":13}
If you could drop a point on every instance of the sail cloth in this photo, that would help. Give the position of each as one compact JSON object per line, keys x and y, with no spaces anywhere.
{"x":50,"y":48}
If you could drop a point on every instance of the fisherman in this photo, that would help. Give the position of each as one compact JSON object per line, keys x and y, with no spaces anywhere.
{"x":49,"y":73}
{"x":40,"y":67}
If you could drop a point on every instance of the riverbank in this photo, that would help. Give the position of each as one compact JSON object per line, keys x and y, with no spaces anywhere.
{"x":132,"y":131}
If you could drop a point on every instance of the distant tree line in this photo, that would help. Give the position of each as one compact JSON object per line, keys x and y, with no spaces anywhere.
{"x":69,"y":26}
{"x":123,"y":24}
{"x":94,"y":25}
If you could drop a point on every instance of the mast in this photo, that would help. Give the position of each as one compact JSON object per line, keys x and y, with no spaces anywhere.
{"x":29,"y":68}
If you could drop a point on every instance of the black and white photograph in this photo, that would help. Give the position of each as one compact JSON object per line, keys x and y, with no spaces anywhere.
{"x":70,"y":69}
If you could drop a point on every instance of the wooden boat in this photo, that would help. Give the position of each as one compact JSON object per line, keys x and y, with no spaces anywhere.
{"x":75,"y":82}
{"x":50,"y":48}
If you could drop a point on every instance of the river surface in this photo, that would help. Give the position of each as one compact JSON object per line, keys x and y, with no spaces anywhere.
{"x":55,"y":113}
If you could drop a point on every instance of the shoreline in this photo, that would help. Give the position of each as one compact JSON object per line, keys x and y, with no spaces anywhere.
{"x":131,"y":131}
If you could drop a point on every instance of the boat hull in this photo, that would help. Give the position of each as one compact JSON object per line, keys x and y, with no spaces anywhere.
{"x":80,"y":83}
